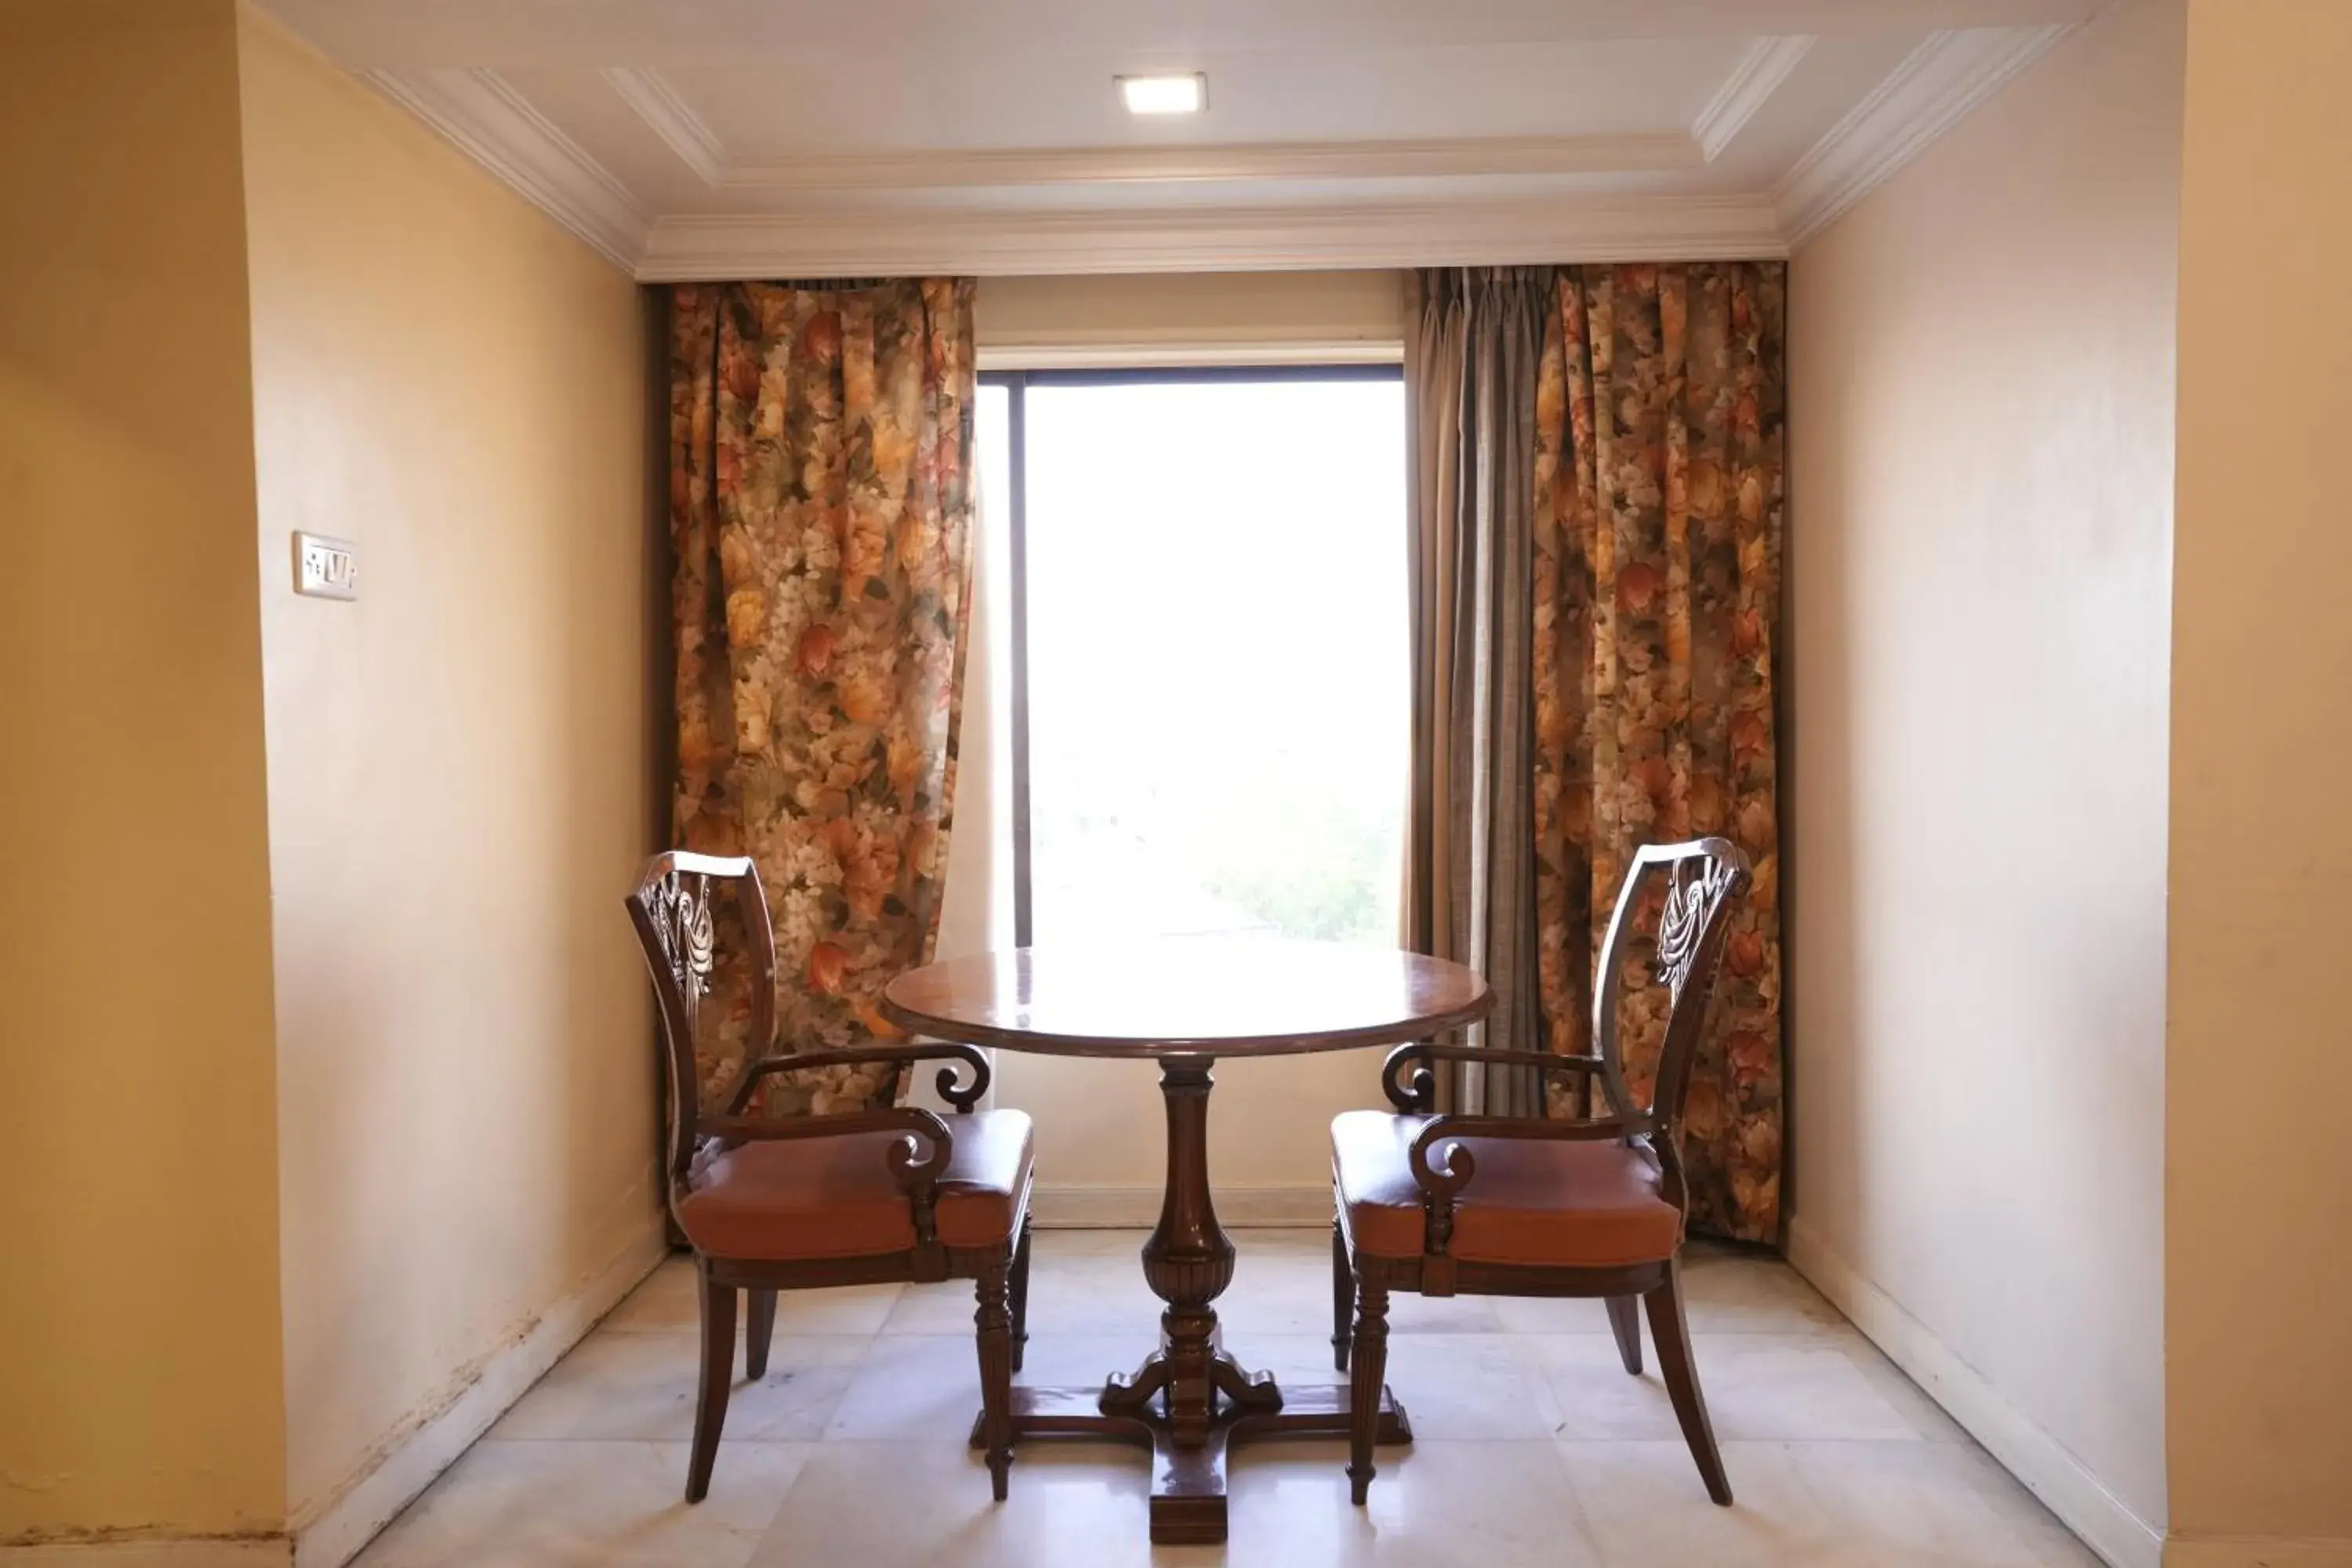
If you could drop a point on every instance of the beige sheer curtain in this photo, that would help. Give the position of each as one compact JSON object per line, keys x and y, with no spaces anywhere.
{"x":1473,"y":340}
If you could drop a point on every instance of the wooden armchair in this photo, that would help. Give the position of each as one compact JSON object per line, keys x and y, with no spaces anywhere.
{"x":1540,"y":1206}
{"x":771,"y":1204}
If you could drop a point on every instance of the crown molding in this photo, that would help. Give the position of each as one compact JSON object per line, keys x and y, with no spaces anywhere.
{"x":492,"y":124}
{"x":667,"y":115}
{"x":1758,"y":74}
{"x":839,"y":244}
{"x":1930,"y":92}
{"x":1239,"y":163}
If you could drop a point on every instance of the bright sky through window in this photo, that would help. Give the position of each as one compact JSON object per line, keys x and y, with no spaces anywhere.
{"x":1218,"y":685}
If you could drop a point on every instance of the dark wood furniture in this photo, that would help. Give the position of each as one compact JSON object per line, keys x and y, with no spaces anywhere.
{"x":774,"y":1204}
{"x":1590,"y":1205}
{"x":1184,"y":1002}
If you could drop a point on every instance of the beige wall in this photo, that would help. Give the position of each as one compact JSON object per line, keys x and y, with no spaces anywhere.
{"x":1099,"y":1123}
{"x":458,"y":792}
{"x":1983,"y":359}
{"x":139,"y":1340}
{"x":2259,"y":1250}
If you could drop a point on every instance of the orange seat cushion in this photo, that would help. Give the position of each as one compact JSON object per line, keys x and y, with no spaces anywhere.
{"x":789,"y":1199}
{"x":1562,"y":1205}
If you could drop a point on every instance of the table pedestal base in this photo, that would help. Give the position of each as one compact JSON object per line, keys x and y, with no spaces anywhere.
{"x":1190,"y":1401}
{"x":1188,"y":1483}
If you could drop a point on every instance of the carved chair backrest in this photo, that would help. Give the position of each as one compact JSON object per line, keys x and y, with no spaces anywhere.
{"x":1703,"y":880}
{"x":675,"y":907}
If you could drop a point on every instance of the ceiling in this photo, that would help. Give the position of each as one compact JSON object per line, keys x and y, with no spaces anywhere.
{"x":738,"y":138}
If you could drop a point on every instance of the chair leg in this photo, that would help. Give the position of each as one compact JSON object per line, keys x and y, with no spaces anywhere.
{"x":995,"y":1320}
{"x":718,"y":1374}
{"x":759,"y":1329}
{"x":1672,"y":1335}
{"x":1625,"y":1323}
{"x":1021,"y":1297}
{"x":1370,"y":1359}
{"x":1343,"y":1294}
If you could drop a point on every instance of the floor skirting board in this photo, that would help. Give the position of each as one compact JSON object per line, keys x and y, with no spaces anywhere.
{"x":1102,"y":1208}
{"x":190,"y":1552}
{"x":2254,"y":1551}
{"x":2104,"y":1521}
{"x":334,"y":1533}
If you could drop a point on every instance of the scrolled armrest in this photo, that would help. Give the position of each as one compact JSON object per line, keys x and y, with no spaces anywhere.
{"x":963,"y":1095}
{"x":907,"y":1159}
{"x":915,"y":1162}
{"x":1442,"y":1167}
{"x":1418,"y":1093}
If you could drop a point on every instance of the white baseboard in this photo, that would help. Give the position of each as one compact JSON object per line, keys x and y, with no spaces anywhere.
{"x":188,"y":1551}
{"x":2255,"y":1552}
{"x":1119,"y":1208}
{"x":2104,"y":1522}
{"x":334,"y":1532}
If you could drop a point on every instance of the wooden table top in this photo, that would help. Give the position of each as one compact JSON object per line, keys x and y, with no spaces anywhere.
{"x":1188,"y":995}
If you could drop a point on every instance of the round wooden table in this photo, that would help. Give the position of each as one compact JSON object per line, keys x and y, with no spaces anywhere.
{"x":1184,"y":1002}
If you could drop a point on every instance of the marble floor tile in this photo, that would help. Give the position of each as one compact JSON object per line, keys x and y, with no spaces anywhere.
{"x":642,"y":1386}
{"x":589,"y":1505}
{"x":668,"y":1302}
{"x":1552,"y":1314}
{"x":1850,"y":1503}
{"x":1491,"y":1505}
{"x":1645,"y":1504}
{"x":1476,"y":1504}
{"x":1741,"y":1292}
{"x":1927,"y":1417}
{"x":1942,"y":1503}
{"x":925,"y":1504}
{"x":1534,"y":1446}
{"x":946,"y":1308}
{"x":910,"y":1386}
{"x":1483,"y":1386}
{"x":1756,"y":1386}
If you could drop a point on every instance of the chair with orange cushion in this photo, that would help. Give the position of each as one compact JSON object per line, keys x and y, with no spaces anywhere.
{"x":1537,"y":1205}
{"x":774,"y":1203}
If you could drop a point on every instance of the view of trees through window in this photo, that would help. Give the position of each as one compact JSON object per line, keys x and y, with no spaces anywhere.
{"x":1218,"y":687}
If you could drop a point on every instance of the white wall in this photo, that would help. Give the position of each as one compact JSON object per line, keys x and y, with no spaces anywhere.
{"x":1100,"y":1143}
{"x":1982,"y":412}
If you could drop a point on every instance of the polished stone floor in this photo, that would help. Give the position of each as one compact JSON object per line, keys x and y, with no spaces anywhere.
{"x":1534,"y":1445}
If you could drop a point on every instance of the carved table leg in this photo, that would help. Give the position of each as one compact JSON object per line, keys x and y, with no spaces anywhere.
{"x":1190,"y":1401}
{"x":1189,"y":1261}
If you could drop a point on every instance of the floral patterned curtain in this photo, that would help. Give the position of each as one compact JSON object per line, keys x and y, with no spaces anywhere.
{"x":1659,"y":501}
{"x":821,"y":462}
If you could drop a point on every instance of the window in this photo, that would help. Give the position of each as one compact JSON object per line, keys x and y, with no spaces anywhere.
{"x":1210,"y":694}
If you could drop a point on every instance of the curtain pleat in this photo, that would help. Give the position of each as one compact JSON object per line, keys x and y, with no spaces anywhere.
{"x":1471,"y":358}
{"x":1597,"y":496}
{"x":1659,"y":499}
{"x":821,"y":512}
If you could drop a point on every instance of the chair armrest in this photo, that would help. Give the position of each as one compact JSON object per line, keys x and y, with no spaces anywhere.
{"x":1418,"y":1093}
{"x":915,"y":1170}
{"x":963,"y":1096}
{"x":1443,"y":1134}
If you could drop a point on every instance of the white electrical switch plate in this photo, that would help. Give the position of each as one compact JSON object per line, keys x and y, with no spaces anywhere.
{"x":326,"y":568}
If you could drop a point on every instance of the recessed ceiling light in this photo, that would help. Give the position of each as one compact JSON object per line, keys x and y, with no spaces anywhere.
{"x":1184,"y":94}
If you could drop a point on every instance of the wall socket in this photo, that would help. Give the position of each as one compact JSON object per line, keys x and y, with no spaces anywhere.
{"x":326,"y":568}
